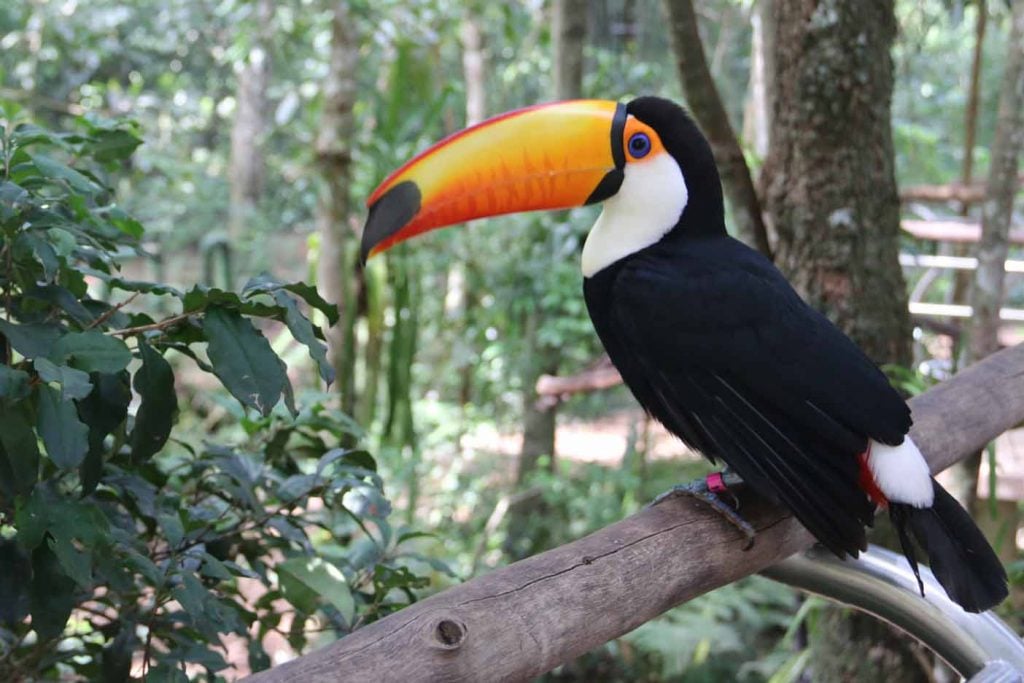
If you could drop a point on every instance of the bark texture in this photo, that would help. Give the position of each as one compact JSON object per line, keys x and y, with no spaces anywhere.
{"x":247,"y":167}
{"x":987,"y":291}
{"x":517,"y":622}
{"x":336,"y":276}
{"x":828,"y":185}
{"x":709,"y":112}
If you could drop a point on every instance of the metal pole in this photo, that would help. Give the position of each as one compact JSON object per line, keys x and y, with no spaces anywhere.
{"x":880,"y":583}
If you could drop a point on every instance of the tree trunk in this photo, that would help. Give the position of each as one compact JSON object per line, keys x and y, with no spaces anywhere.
{"x":987,"y":288}
{"x":539,"y":417}
{"x":830,"y":196}
{"x":247,"y":167}
{"x":336,"y":273}
{"x":461,"y":298}
{"x":828,"y":184}
{"x":569,"y":25}
{"x":707,"y":108}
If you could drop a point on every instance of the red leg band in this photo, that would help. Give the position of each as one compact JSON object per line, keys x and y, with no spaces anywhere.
{"x":715,"y":483}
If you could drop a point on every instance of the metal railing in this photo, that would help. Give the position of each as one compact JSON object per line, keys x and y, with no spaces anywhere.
{"x":980,"y":647}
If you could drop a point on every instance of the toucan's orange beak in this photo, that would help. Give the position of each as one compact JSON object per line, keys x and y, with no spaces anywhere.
{"x":552,"y":156}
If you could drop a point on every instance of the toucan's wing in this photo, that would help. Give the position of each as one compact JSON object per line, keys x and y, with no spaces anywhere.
{"x":716,"y":345}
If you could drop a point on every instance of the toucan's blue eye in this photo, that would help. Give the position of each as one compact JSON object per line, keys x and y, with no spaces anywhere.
{"x":639,"y":145}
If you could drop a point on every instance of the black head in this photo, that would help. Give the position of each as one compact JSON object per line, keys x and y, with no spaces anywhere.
{"x":682,"y":139}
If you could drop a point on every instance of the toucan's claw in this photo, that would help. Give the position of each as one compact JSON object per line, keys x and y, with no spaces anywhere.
{"x":702,"y":490}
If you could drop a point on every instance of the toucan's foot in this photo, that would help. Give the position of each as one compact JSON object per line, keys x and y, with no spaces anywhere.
{"x":707,"y":490}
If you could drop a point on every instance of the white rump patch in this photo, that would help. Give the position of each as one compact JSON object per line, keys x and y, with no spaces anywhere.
{"x":901,"y":473}
{"x":648,"y":204}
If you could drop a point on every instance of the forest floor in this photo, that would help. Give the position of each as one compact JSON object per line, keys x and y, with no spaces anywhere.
{"x":604,"y":440}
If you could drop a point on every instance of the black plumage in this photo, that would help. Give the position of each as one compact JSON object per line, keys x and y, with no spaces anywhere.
{"x":715,"y":344}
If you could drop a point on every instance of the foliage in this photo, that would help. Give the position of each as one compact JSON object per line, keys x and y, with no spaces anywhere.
{"x":123,"y":546}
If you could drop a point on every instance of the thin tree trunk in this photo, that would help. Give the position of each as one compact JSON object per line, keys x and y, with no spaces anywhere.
{"x":707,"y":108}
{"x":247,"y":166}
{"x":757,"y":112}
{"x":962,"y":279}
{"x":336,"y":273}
{"x":375,"y":284}
{"x":539,"y":415}
{"x":569,"y":26}
{"x":987,"y":290}
{"x":965,"y":473}
{"x":829,"y":191}
{"x":461,"y":297}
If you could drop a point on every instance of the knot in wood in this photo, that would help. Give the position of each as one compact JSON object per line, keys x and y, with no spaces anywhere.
{"x":449,"y":633}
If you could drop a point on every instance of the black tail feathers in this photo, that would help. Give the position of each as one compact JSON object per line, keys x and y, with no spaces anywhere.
{"x":960,"y":557}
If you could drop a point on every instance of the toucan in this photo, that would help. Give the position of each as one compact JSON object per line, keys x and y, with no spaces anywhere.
{"x":709,"y":336}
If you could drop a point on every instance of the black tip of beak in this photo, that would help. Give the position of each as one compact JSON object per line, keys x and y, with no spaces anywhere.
{"x":389,"y":214}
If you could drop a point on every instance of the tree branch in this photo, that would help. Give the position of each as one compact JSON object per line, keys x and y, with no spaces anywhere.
{"x":520,"y":621}
{"x":706,"y":106}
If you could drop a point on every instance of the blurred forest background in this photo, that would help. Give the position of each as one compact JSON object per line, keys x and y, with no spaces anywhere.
{"x":186,"y":164}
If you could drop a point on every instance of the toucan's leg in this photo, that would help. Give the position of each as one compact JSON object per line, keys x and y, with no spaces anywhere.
{"x":707,"y":490}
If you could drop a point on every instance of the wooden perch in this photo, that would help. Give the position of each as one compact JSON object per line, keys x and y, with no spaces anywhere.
{"x":520,"y":621}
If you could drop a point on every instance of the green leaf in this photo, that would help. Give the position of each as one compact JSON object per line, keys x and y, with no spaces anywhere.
{"x":302,"y":330}
{"x":75,"y":563}
{"x":51,"y":595}
{"x":19,"y":451}
{"x":200,"y":298}
{"x":16,"y":569}
{"x":63,"y":242}
{"x":102,"y":411}
{"x":266,"y":284}
{"x":33,"y":517}
{"x":13,"y":383}
{"x":214,"y":568}
{"x":44,"y":253}
{"x":324,"y":579}
{"x":145,"y":287}
{"x":58,"y":171}
{"x":172,"y":527}
{"x":113,"y":145}
{"x":92,"y":351}
{"x":65,"y":437}
{"x":13,"y":199}
{"x":166,"y":673}
{"x":62,"y":297}
{"x":243,"y":360}
{"x":31,"y":340}
{"x":73,"y":383}
{"x":145,"y":566}
{"x":154,"y":382}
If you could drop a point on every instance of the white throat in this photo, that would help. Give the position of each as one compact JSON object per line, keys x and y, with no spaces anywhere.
{"x":648,"y":204}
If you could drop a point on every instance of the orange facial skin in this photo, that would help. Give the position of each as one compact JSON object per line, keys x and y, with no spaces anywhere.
{"x":550,"y":156}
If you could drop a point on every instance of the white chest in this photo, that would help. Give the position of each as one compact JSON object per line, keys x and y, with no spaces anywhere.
{"x":648,"y":204}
